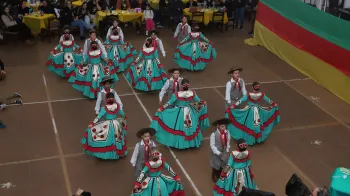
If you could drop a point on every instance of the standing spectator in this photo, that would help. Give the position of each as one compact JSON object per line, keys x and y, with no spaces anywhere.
{"x":159,"y":12}
{"x":47,"y":8}
{"x":175,"y":8}
{"x":252,"y":4}
{"x":149,"y":19}
{"x":69,"y":18}
{"x":101,"y":5}
{"x":191,"y":3}
{"x":23,"y":31}
{"x":239,"y":13}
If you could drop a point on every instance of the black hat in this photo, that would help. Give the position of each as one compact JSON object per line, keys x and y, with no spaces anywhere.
{"x":84,"y":193}
{"x":155,"y":32}
{"x":149,"y":130}
{"x":222,"y":121}
{"x":174,"y":69}
{"x":66,"y":27}
{"x":234,"y":69}
{"x":107,"y":79}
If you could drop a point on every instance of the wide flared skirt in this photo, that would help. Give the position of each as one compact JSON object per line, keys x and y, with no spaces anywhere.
{"x":194,"y":56}
{"x":232,"y":184}
{"x":174,"y":129}
{"x":64,"y":63}
{"x":144,"y":80}
{"x":167,"y":185}
{"x":106,"y":140}
{"x":253,"y":123}
{"x":88,"y":79}
{"x":121,"y":57}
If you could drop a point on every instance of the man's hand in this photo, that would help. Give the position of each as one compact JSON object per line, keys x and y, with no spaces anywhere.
{"x":79,"y":192}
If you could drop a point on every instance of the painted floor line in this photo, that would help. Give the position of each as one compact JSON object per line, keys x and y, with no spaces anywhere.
{"x":171,"y":151}
{"x":58,"y":142}
{"x":131,"y":94}
{"x":132,"y":148}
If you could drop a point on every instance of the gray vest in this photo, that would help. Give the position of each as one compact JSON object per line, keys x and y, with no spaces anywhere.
{"x":218,"y":162}
{"x":236,"y":93}
{"x":140,"y":161}
{"x":170,"y":89}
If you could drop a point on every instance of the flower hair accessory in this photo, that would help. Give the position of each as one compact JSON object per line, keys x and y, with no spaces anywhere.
{"x":186,"y":85}
{"x":243,"y":145}
{"x":156,"y":154}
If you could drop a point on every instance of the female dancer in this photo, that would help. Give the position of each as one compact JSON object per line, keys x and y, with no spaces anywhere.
{"x":147,"y":74}
{"x":181,"y":127}
{"x":87,"y":78}
{"x":106,"y":139}
{"x":253,"y":123}
{"x":152,"y":182}
{"x":120,"y":54}
{"x":192,"y":53}
{"x":237,"y":173}
{"x":65,"y":57}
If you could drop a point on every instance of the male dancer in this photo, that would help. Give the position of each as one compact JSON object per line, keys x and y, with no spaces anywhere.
{"x":172,"y":85}
{"x":235,"y":88}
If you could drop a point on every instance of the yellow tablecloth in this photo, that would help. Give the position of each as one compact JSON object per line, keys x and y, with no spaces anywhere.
{"x":124,"y":16}
{"x":77,"y":3}
{"x":36,"y":22}
{"x":208,"y":16}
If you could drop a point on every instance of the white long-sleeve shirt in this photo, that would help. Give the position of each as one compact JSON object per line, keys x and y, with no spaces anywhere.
{"x":120,"y":32}
{"x":136,"y":151}
{"x":229,"y":87}
{"x":148,"y":14}
{"x":99,"y":100}
{"x":164,"y":90}
{"x":160,"y":46}
{"x":212,"y":143}
{"x":86,"y":48}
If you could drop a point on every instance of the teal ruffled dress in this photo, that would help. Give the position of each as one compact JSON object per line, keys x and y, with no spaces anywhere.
{"x":120,"y":54}
{"x":147,"y":73}
{"x":87,"y":78}
{"x":153,"y":182}
{"x":63,"y":59}
{"x":107,"y":138}
{"x":194,"y":52}
{"x":253,"y":123}
{"x":181,"y":127}
{"x":236,"y":175}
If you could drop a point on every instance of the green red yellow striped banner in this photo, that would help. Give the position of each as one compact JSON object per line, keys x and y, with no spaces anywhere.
{"x":314,"y":42}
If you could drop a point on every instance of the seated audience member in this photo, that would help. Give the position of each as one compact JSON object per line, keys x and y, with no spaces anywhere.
{"x":191,"y":3}
{"x":92,"y":8}
{"x":320,"y":191}
{"x":24,"y":32}
{"x":83,"y":13}
{"x":2,"y":70}
{"x":23,"y":9}
{"x":69,"y":18}
{"x":47,"y":8}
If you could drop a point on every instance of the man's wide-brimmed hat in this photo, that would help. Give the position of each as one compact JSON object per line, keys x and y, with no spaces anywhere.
{"x":221,"y":121}
{"x":234,"y":69}
{"x":107,"y":79}
{"x":151,"y":131}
